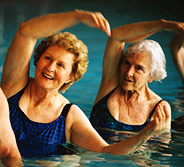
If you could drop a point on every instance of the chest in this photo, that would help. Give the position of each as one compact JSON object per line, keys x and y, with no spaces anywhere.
{"x":35,"y":138}
{"x":130,"y":113}
{"x":41,"y":112}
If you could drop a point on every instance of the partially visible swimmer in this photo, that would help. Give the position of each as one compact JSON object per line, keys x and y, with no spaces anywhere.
{"x":9,"y":153}
{"x":177,"y":52}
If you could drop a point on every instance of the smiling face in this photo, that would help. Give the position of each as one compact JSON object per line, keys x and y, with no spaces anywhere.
{"x":54,"y":68}
{"x":135,"y":71}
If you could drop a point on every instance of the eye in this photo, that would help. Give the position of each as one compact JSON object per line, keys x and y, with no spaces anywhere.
{"x":47,"y":58}
{"x":125,"y":62}
{"x":139,"y":69}
{"x":60,"y":64}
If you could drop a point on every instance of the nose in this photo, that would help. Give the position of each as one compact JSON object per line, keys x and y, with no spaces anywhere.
{"x":51,"y":66}
{"x":130,"y":71}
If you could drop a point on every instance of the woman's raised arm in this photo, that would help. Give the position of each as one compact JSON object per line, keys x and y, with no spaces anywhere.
{"x":115,"y":47}
{"x":16,"y":67}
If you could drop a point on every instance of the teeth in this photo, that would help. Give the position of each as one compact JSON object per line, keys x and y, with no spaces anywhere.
{"x":47,"y":76}
{"x":128,"y":80}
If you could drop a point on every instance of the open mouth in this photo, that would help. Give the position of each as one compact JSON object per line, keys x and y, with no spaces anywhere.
{"x":47,"y":76}
{"x":127,"y":80}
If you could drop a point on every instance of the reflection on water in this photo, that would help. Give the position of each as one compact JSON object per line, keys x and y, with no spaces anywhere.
{"x":156,"y":152}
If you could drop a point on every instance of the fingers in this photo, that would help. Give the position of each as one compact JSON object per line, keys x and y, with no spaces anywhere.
{"x":161,"y":120}
{"x":103,"y":23}
{"x":94,"y":19}
{"x":163,"y":116}
{"x":160,"y":113}
{"x":180,"y":27}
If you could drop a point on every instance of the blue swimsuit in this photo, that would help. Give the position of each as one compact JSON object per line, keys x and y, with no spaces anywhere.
{"x":33,"y":138}
{"x":101,"y":117}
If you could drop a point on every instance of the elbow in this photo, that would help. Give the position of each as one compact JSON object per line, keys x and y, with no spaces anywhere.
{"x":5,"y":152}
{"x":9,"y":154}
{"x":108,"y":150}
{"x":25,"y":29}
{"x":9,"y":159}
{"x":114,"y":33}
{"x":22,"y":28}
{"x":8,"y":151}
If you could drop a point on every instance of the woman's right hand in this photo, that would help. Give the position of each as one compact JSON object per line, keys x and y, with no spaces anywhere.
{"x":94,"y":19}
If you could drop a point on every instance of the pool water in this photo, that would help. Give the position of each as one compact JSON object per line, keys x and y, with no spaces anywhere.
{"x":156,"y":152}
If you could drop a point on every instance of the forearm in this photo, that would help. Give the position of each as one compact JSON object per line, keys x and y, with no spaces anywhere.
{"x":141,"y":30}
{"x":129,"y":145}
{"x":47,"y":25}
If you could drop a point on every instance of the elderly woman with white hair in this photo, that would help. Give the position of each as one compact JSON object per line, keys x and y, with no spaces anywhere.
{"x":124,"y":100}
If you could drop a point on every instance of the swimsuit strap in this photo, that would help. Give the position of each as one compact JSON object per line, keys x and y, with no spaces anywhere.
{"x":155,"y":108}
{"x":66,"y":110}
{"x":106,"y":97}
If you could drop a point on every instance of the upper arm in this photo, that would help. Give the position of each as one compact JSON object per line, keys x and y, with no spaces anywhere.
{"x":16,"y":66}
{"x":110,"y":73}
{"x":82,"y":132}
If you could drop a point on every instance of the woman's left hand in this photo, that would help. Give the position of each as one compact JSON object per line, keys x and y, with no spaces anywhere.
{"x":162,"y":116}
{"x":161,"y":120}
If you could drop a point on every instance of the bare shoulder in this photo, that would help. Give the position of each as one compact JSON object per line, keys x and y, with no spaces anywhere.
{"x":164,"y":105}
{"x":74,"y":109}
{"x":161,"y":102}
{"x":76,"y":113}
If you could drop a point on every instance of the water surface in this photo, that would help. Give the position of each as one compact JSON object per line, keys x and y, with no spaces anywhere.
{"x":82,"y":93}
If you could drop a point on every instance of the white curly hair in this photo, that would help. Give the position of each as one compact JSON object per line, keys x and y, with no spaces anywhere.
{"x":158,"y":67}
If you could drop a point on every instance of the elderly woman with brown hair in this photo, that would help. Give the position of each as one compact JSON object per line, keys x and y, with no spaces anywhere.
{"x":73,"y":45}
{"x":41,"y":117}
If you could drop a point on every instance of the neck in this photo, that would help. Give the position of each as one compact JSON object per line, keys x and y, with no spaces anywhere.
{"x":40,"y":95}
{"x":135,"y":95}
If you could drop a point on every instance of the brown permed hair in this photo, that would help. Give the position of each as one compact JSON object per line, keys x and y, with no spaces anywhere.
{"x":69,"y":42}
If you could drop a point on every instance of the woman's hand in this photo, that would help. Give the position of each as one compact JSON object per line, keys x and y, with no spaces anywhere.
{"x":161,"y":121}
{"x":94,"y":19}
{"x":173,"y":26}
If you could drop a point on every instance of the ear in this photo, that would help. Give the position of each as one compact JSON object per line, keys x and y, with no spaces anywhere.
{"x":150,"y":80}
{"x":69,"y":79}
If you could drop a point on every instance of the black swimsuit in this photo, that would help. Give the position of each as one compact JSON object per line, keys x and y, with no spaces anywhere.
{"x":101,"y":117}
{"x":34,"y":138}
